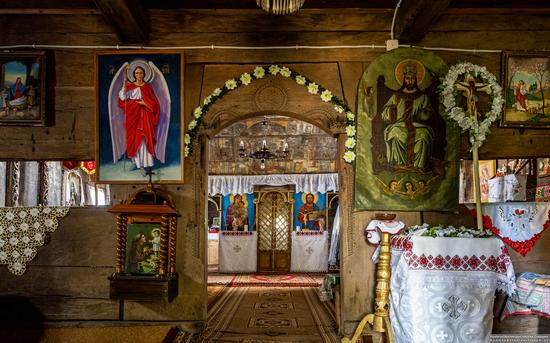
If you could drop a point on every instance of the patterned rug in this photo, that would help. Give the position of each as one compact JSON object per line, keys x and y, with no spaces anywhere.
{"x":277,"y":280}
{"x":257,"y":314}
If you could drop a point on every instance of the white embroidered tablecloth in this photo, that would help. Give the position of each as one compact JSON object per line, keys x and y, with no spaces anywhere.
{"x":238,"y":253}
{"x":22,"y":232}
{"x":442,"y":289}
{"x":519,"y":224}
{"x":309,"y":252}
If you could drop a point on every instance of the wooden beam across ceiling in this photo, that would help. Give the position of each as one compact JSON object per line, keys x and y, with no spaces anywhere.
{"x":415,"y":18}
{"x":128,"y":17}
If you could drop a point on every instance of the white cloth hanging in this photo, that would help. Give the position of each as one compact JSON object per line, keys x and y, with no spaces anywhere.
{"x":334,"y":239}
{"x":240,"y":184}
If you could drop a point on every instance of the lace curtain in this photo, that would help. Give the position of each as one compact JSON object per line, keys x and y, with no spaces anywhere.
{"x":240,"y":184}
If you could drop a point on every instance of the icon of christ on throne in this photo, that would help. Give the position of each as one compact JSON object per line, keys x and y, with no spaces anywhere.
{"x":408,"y":137}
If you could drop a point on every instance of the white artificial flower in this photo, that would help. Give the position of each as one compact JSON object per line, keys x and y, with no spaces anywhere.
{"x":231,"y":84}
{"x":207,"y":100}
{"x":350,"y":131}
{"x":350,"y":143}
{"x":186,"y":151}
{"x":197,"y":112}
{"x":285,"y":72}
{"x":216,"y":92}
{"x":192,"y":124}
{"x":274,"y":69}
{"x":326,"y":95}
{"x":349,"y":156}
{"x":312,"y":88}
{"x":339,"y":109}
{"x":259,"y":72}
{"x":350,"y":116}
{"x":3,"y":255}
{"x":300,"y":80}
{"x":34,"y":212}
{"x":187,"y":138}
{"x":246,"y":79}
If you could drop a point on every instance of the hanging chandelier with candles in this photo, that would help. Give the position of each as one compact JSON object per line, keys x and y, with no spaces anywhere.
{"x":280,"y":7}
{"x":263,"y":154}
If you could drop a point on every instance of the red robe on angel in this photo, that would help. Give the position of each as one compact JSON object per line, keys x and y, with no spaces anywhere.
{"x":141,"y":122}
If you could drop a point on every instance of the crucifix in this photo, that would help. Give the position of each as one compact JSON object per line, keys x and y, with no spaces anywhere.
{"x":469,"y":87}
{"x":149,"y":172}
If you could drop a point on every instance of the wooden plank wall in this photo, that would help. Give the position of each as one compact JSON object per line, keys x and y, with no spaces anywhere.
{"x":74,"y":266}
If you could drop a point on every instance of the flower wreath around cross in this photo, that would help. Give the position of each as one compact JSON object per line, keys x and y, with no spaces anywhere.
{"x":259,"y":72}
{"x":461,"y":80}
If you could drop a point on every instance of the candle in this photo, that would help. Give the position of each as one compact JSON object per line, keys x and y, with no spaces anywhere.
{"x":241,"y":144}
{"x":264,"y":143}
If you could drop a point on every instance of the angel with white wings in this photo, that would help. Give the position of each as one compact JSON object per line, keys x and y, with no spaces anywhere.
{"x":139,"y":113}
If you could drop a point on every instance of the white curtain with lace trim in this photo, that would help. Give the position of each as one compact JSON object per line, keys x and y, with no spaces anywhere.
{"x":240,"y":184}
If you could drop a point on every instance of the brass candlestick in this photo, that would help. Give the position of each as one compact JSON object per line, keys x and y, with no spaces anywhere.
{"x":380,"y":319}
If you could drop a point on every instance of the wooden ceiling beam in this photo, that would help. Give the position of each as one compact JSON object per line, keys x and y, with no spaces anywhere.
{"x":415,"y":18}
{"x":128,"y":17}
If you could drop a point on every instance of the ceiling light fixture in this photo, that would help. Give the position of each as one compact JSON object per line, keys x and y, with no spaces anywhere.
{"x":280,"y":7}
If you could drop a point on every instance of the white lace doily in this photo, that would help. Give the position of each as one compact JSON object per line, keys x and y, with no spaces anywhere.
{"x":22,"y":232}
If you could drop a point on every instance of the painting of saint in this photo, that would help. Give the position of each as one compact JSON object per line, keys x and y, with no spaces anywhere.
{"x":526,"y":89}
{"x":236,"y":214}
{"x":139,"y":117}
{"x":143,"y":248}
{"x":22,"y":88}
{"x":310,"y":216}
{"x":407,"y":153}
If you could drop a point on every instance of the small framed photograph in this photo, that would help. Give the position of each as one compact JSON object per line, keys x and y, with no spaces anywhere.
{"x":526,"y":93}
{"x":23,"y":88}
{"x":143,"y":247}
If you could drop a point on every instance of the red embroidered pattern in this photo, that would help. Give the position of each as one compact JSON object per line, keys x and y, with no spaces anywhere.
{"x":521,"y":247}
{"x":401,"y":242}
{"x":458,"y":263}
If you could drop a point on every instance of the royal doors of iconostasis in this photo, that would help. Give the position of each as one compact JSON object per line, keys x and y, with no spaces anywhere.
{"x":274,"y":210}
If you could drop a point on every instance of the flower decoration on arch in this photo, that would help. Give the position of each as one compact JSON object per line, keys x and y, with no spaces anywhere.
{"x":258,"y":73}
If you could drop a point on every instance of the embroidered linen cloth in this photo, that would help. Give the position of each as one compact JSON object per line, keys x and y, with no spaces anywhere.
{"x":22,"y":232}
{"x":237,"y":253}
{"x":309,"y":252}
{"x":519,"y":224}
{"x":530,"y":297}
{"x":442,"y":289}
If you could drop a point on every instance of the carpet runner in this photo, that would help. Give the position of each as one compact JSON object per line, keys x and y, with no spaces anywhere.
{"x":257,"y":314}
{"x":266,"y":280}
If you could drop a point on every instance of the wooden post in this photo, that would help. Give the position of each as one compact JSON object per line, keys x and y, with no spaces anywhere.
{"x":477,"y":189}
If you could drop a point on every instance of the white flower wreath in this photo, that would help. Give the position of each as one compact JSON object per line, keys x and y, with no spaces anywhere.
{"x":477,"y":130}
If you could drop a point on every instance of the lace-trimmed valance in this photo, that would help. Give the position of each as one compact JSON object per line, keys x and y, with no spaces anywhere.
{"x":22,"y":232}
{"x":239,"y":184}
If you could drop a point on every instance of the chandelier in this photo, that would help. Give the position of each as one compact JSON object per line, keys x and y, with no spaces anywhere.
{"x":263,"y":154}
{"x":280,"y":7}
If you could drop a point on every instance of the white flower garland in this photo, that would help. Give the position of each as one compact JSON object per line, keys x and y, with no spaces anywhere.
{"x":258,"y":73}
{"x":477,"y":130}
